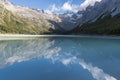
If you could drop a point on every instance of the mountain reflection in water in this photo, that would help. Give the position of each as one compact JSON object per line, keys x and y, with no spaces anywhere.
{"x":60,"y":58}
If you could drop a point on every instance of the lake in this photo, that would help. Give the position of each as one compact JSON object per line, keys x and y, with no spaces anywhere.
{"x":60,"y":58}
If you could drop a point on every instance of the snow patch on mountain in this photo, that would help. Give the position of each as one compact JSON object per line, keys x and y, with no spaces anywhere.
{"x":87,"y":3}
{"x":27,"y":12}
{"x":74,"y":14}
{"x":90,"y":11}
{"x":103,"y":8}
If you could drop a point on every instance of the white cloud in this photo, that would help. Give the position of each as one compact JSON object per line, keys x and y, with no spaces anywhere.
{"x":68,"y":6}
{"x":67,"y":61}
{"x":54,"y":8}
{"x":48,"y":12}
{"x":87,"y":3}
{"x":96,"y":72}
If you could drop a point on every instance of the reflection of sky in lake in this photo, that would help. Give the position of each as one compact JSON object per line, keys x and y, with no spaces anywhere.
{"x":60,"y":58}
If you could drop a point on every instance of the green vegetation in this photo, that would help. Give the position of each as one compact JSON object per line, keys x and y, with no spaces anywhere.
{"x":14,"y":24}
{"x":104,"y":26}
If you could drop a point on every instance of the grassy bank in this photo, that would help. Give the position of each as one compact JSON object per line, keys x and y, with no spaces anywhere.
{"x":12,"y":23}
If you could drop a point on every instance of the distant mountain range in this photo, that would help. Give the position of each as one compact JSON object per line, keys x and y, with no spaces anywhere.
{"x":102,"y":18}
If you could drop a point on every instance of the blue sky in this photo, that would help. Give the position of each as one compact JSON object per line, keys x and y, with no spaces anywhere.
{"x":44,"y":4}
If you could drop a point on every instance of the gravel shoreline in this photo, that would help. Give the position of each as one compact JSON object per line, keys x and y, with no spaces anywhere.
{"x":24,"y":36}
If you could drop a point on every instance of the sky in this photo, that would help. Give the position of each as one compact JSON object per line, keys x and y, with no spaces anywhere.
{"x":53,"y":5}
{"x":56,"y":5}
{"x":43,"y":4}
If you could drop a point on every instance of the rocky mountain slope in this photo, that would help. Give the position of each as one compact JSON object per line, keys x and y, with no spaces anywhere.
{"x":106,"y":26}
{"x":102,"y":18}
{"x":23,"y":20}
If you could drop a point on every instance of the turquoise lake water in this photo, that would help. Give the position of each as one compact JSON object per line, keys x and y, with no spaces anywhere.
{"x":80,"y":58}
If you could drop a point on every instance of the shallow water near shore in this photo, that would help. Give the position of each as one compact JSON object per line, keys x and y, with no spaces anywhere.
{"x":60,"y":58}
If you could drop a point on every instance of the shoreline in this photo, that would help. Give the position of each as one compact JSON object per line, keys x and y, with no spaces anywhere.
{"x":24,"y":36}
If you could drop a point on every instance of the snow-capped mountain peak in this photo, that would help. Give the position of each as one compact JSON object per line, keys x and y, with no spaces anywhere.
{"x":90,"y":11}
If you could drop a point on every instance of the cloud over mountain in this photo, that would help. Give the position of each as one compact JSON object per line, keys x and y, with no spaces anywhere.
{"x":69,"y":6}
{"x":87,"y":3}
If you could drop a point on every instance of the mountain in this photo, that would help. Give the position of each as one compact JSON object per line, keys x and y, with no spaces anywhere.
{"x":70,"y":20}
{"x":102,"y":18}
{"x":24,"y":20}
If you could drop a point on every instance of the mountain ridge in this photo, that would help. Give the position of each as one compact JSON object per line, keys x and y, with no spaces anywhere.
{"x":102,"y":18}
{"x":24,"y":20}
{"x":31,"y":20}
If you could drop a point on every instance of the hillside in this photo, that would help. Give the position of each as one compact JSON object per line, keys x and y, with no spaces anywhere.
{"x":106,"y":26}
{"x":103,"y":18}
{"x":13,"y":19}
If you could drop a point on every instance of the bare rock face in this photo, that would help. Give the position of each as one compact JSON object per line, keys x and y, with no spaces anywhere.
{"x":24,"y":12}
{"x":67,"y":21}
{"x":37,"y":17}
{"x":30,"y":17}
{"x":90,"y":14}
{"x":102,"y":8}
